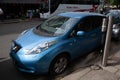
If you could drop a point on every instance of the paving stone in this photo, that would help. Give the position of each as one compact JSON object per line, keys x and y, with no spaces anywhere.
{"x":77,"y":75}
{"x":111,"y":69}
{"x":99,"y":75}
{"x":117,"y":54}
{"x":117,"y":66}
{"x":118,"y":73}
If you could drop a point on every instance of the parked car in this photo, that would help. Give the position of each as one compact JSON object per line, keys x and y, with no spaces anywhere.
{"x":116,"y":23}
{"x":50,"y":46}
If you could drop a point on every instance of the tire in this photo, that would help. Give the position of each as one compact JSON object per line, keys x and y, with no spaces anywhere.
{"x":59,"y":64}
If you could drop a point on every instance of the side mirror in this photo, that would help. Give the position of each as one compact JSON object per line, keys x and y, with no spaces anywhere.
{"x":80,"y":33}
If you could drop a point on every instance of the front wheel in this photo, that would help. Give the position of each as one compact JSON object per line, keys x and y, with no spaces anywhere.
{"x":59,"y":64}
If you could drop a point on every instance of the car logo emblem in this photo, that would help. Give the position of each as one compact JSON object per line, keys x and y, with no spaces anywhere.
{"x":15,"y":48}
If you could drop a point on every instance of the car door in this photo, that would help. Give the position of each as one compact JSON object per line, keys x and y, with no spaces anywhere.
{"x":91,"y":39}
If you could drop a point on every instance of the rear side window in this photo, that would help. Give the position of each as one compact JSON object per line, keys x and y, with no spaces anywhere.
{"x":97,"y":22}
{"x":90,"y":23}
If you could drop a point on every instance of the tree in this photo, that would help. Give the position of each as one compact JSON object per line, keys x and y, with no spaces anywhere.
{"x":115,"y":2}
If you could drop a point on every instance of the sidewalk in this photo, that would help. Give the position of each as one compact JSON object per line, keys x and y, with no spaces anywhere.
{"x":8,"y":21}
{"x":97,"y":72}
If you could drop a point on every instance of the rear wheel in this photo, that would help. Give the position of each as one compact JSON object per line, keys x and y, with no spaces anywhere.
{"x":59,"y":64}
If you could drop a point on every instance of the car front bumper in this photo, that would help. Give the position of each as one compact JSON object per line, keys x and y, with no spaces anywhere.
{"x":34,"y":64}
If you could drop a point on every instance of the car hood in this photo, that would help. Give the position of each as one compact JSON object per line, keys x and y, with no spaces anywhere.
{"x":29,"y":39}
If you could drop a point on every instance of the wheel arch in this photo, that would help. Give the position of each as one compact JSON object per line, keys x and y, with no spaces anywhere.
{"x":63,"y":53}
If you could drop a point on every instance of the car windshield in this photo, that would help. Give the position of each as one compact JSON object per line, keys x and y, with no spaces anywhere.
{"x":56,"y":25}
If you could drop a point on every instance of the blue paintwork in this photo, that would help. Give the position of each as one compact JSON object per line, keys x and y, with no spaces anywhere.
{"x":74,"y":46}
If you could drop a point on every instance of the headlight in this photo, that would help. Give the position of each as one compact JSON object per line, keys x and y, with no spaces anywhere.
{"x":40,"y":47}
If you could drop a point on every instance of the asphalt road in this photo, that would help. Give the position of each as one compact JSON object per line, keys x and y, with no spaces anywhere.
{"x":8,"y":71}
{"x":10,"y":32}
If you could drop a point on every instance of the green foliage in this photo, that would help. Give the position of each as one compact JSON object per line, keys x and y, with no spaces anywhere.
{"x":114,"y":2}
{"x":111,"y":2}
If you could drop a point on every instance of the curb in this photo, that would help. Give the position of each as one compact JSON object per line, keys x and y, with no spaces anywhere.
{"x":19,"y":20}
{"x":9,"y":21}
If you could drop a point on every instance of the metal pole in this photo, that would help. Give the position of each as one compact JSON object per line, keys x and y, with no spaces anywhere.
{"x":104,"y":30}
{"x":107,"y":42}
{"x":104,"y":25}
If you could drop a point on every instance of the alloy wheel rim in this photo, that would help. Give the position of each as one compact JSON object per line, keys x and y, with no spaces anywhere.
{"x":60,"y":65}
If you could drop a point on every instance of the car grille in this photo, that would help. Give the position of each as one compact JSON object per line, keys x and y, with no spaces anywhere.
{"x":16,"y":47}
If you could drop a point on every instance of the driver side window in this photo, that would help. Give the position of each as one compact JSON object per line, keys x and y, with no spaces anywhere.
{"x":83,"y":25}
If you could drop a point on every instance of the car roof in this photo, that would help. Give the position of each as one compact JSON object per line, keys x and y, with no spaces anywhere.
{"x":79,"y":14}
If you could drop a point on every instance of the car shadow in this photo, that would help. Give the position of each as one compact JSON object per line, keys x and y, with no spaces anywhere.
{"x":83,"y":62}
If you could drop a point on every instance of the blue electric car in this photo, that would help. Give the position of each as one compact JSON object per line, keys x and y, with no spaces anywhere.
{"x":48,"y":47}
